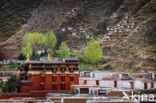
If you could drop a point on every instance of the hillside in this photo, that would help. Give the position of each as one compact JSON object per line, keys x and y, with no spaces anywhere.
{"x":124,"y":28}
{"x":14,"y":14}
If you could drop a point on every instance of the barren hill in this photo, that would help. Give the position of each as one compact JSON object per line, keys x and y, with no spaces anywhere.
{"x":126,"y":29}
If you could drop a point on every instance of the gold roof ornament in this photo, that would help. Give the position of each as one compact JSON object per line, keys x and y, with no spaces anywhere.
{"x":49,"y":57}
{"x":28,"y":58}
{"x":30,"y":66}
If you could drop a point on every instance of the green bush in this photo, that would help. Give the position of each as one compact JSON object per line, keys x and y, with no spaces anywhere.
{"x":21,"y":57}
{"x":86,"y":66}
{"x":12,"y":66}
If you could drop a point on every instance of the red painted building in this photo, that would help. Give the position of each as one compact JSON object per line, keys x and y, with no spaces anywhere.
{"x":48,"y":76}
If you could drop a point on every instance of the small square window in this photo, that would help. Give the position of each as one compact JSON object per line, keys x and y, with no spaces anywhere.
{"x":71,"y":78}
{"x":54,"y":78}
{"x":71,"y":70}
{"x":54,"y":86}
{"x":62,"y":70}
{"x":62,"y":86}
{"x":54,"y":70}
{"x":62,"y":78}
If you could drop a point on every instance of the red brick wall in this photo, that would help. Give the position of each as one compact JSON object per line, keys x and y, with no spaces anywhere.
{"x":36,"y":80}
{"x":22,"y":95}
{"x":48,"y":82}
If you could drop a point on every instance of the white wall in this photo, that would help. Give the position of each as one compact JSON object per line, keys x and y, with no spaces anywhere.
{"x":123,"y":84}
{"x":149,"y":85}
{"x":154,"y":84}
{"x":100,"y":74}
{"x":106,"y":83}
{"x":120,"y":75}
{"x":91,"y":82}
{"x":138,"y":85}
{"x":81,"y":81}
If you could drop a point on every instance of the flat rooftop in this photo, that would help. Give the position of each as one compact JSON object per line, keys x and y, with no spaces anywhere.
{"x":55,"y":60}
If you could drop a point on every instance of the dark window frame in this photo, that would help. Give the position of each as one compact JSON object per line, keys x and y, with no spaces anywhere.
{"x":71,"y":70}
{"x":54,"y":78}
{"x":72,"y":78}
{"x":63,"y":78}
{"x":63,"y":86}
{"x":63,"y":70}
{"x":54,"y":86}
{"x":54,"y":70}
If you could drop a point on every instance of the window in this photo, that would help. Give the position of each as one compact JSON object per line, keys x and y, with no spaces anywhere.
{"x":23,"y":77}
{"x":71,"y":78}
{"x":62,"y":86}
{"x":132,"y":85}
{"x":54,"y":78}
{"x":62,"y":70}
{"x":145,"y":86}
{"x":71,"y":70}
{"x":152,"y":85}
{"x":102,"y":92}
{"x":54,"y":86}
{"x":85,"y":82}
{"x":97,"y":82}
{"x":115,"y":83}
{"x":87,"y":74}
{"x":62,"y":78}
{"x":125,"y":76}
{"x":140,"y":77}
{"x":54,"y":70}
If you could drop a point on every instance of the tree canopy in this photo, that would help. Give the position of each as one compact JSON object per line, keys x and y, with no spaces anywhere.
{"x":35,"y":39}
{"x":64,"y":50}
{"x":93,"y":52}
{"x":11,"y":85}
{"x":27,"y":49}
{"x":33,"y":42}
{"x":50,"y":41}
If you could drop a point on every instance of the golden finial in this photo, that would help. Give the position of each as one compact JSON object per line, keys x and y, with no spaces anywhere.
{"x":29,"y":66}
{"x":49,"y":57}
{"x":28,"y":58}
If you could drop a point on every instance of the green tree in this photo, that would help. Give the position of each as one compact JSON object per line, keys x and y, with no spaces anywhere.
{"x":21,"y":57}
{"x":27,"y":50}
{"x":35,"y":56}
{"x":64,"y":50}
{"x":2,"y":86}
{"x":93,"y":52}
{"x":50,"y":41}
{"x":12,"y":84}
{"x":36,"y":39}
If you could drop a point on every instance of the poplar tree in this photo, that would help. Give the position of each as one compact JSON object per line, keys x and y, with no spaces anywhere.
{"x":93,"y":52}
{"x":35,"y":39}
{"x":50,"y":41}
{"x":27,"y":49}
{"x":64,"y":50}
